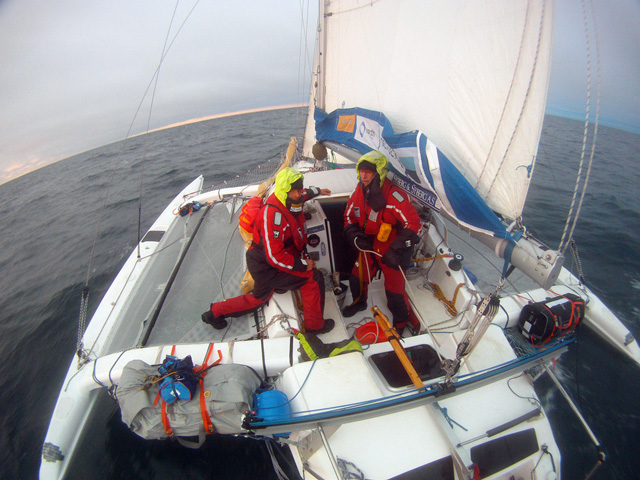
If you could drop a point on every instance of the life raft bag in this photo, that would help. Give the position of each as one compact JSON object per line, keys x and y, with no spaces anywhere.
{"x":228,"y":393}
{"x":539,"y":322}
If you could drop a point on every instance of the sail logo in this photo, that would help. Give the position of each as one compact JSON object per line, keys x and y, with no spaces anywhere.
{"x":346,"y":123}
{"x":420,"y":194}
{"x":369,"y":133}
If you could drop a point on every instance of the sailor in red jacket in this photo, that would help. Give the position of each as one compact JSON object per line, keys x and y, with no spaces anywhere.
{"x":275,"y":257}
{"x":379,"y":218}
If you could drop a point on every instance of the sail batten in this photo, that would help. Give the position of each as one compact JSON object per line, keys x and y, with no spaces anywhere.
{"x":472,"y":76}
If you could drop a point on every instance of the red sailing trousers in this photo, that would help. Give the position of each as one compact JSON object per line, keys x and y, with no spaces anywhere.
{"x":310,"y":283}
{"x":397,"y":299}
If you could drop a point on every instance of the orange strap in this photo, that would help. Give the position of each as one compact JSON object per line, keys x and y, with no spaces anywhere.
{"x":165,"y":420}
{"x":206,"y":419}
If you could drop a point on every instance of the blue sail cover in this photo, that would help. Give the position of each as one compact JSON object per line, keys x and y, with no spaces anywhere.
{"x":418,"y":167}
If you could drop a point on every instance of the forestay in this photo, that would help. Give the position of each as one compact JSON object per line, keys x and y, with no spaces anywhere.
{"x":473,"y":78}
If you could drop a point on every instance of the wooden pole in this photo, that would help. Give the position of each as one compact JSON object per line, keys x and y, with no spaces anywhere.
{"x":287,"y":161}
{"x":394,"y":340}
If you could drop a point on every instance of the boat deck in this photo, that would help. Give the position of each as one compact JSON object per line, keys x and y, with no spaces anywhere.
{"x":212,"y":270}
{"x":210,"y":263}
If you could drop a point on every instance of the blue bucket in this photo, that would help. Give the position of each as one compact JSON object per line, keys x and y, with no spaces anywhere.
{"x":272,"y":405}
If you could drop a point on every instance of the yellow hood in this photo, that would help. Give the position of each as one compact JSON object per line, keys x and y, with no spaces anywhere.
{"x":285,"y":178}
{"x":379,"y":160}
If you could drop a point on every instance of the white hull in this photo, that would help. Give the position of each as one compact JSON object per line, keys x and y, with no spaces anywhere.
{"x":342,"y":380}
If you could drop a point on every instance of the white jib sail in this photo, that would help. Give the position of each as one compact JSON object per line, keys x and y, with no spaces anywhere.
{"x":472,"y":75}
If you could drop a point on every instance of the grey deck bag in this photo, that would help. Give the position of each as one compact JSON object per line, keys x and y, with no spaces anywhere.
{"x":230,"y":388}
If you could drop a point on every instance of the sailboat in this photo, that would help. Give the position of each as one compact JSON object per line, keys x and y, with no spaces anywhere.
{"x":453,"y":94}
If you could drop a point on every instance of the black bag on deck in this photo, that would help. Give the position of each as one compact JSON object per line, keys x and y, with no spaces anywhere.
{"x":541,"y":321}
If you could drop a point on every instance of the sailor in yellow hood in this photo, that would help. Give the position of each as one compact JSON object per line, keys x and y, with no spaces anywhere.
{"x":276,"y":257}
{"x":383,"y":227}
{"x":376,"y":161}
{"x":288,"y":189}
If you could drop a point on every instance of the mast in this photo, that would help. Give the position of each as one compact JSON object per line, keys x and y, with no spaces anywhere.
{"x":321,"y":57}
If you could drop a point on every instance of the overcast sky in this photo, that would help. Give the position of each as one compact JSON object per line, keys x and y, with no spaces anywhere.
{"x":73,"y":72}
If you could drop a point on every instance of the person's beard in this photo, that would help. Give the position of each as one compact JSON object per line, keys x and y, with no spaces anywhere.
{"x":294,"y":207}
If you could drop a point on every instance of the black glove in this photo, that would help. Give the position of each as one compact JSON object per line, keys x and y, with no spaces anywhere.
{"x":356,"y":237}
{"x":363,"y":242}
{"x":391,"y":258}
{"x":401,"y":249}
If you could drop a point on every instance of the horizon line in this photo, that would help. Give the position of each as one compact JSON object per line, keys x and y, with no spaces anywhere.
{"x":41,"y":163}
{"x":220,"y":115}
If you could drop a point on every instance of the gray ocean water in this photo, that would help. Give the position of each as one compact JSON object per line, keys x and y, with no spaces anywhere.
{"x":49,"y":220}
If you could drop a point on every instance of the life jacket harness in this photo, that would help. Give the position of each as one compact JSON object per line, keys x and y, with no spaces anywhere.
{"x":249,"y":212}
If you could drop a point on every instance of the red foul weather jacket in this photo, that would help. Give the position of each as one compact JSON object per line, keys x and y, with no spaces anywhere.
{"x":281,"y":234}
{"x":399,"y":213}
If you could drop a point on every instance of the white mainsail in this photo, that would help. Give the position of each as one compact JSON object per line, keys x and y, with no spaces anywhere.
{"x":472,"y":76}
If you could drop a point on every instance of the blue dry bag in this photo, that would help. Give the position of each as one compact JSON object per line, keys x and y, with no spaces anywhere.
{"x":180,"y":382}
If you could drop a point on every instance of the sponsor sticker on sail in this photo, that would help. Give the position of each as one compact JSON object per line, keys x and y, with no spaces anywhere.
{"x":346,"y":123}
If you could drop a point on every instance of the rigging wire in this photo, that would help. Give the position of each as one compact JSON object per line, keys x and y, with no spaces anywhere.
{"x":304,"y":63}
{"x":145,"y":142}
{"x":565,"y":240}
{"x":84,"y":304}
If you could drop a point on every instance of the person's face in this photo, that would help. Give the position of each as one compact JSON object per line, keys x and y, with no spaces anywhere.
{"x":295,"y":195}
{"x":366,"y":176}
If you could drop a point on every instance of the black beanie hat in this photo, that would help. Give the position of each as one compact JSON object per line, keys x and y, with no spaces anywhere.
{"x":298,"y":184}
{"x":364,"y":165}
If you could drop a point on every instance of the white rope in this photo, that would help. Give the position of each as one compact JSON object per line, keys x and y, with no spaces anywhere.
{"x":565,"y":240}
{"x":280,"y":473}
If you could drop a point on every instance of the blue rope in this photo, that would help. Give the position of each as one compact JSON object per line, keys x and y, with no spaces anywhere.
{"x":511,"y":245}
{"x":357,"y":407}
